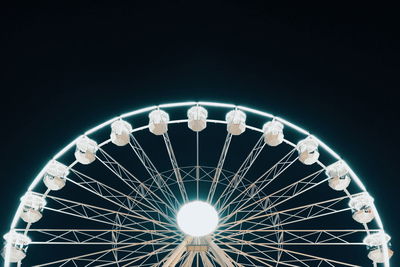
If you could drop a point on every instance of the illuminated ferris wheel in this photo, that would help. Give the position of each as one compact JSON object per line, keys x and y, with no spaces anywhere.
{"x":197,"y":184}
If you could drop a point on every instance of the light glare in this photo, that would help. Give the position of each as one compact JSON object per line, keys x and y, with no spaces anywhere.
{"x":197,"y":218}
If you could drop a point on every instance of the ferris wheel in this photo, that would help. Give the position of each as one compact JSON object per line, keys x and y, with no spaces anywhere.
{"x":197,"y":184}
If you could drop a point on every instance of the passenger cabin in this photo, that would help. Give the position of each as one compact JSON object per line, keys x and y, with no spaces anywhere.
{"x":197,"y":118}
{"x":236,"y":122}
{"x":273,"y":133}
{"x":120,"y":132}
{"x":158,"y":122}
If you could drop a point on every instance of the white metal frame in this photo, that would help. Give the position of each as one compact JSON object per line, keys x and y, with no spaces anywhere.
{"x":217,"y":254}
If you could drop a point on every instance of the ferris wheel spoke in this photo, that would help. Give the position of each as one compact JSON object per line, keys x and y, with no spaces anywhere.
{"x":310,"y":210}
{"x":297,"y":188}
{"x":293,"y":190}
{"x":114,"y":196}
{"x":95,"y":213}
{"x":175,"y":255}
{"x":266,"y":259}
{"x":146,"y":254}
{"x":241,"y":172}
{"x":219,"y":167}
{"x":190,"y":174}
{"x":189,"y":259}
{"x":313,"y":237}
{"x":263,"y":181}
{"x":249,"y":257}
{"x":143,"y":258}
{"x":205,"y":260}
{"x":152,"y":170}
{"x":175,"y":166}
{"x":97,"y":217}
{"x":133,"y":182}
{"x":155,"y":252}
{"x":304,"y":261}
{"x":315,"y":211}
{"x":102,"y":252}
{"x":247,"y":236}
{"x":309,"y":217}
{"x":321,"y":238}
{"x":94,"y":236}
{"x":319,"y":259}
{"x":85,"y":209}
{"x":94,"y":186}
{"x":219,"y":254}
{"x":298,"y":253}
{"x":209,"y":175}
{"x":211,"y":258}
{"x":197,"y":165}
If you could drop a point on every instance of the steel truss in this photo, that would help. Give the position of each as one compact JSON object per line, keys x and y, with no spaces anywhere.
{"x":133,"y":217}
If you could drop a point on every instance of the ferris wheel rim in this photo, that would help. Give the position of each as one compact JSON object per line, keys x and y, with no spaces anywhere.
{"x":205,"y":104}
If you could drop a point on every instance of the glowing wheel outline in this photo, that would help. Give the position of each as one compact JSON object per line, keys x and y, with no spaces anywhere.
{"x":322,"y":145}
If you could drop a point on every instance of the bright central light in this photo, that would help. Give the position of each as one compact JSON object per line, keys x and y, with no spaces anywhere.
{"x":197,"y":218}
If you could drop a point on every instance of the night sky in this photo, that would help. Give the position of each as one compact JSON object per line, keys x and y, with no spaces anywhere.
{"x":333,"y":70}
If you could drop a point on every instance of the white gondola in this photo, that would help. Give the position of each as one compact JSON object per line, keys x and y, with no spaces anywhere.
{"x":32,"y":207}
{"x":273,"y":133}
{"x":197,"y":118}
{"x":339,"y":175}
{"x":16,"y":245}
{"x":120,"y":132}
{"x":361,"y":207}
{"x":158,"y":192}
{"x":55,"y":175}
{"x":308,"y":150}
{"x":86,"y":149}
{"x":158,"y":122}
{"x":236,"y":122}
{"x":375,"y":244}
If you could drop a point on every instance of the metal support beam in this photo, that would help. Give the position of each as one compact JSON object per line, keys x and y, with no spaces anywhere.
{"x":177,"y":253}
{"x":241,"y":173}
{"x":152,"y":170}
{"x":220,"y":165}
{"x":175,"y":166}
{"x":189,"y":259}
{"x":222,"y":258}
{"x":206,"y":261}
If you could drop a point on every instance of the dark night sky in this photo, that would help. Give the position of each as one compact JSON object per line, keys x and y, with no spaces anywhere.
{"x":333,"y":70}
